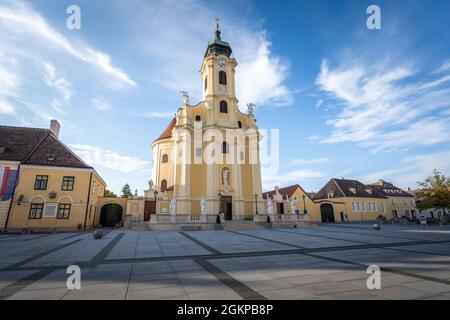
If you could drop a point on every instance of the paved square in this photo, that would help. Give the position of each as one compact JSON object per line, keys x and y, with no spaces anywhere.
{"x":325,"y":262}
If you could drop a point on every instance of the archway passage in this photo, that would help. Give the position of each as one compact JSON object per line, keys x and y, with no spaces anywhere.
{"x":327,"y":212}
{"x":110,"y":215}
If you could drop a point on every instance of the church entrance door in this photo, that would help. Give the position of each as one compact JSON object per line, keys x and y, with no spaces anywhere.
{"x":227,"y":207}
{"x":149,"y":209}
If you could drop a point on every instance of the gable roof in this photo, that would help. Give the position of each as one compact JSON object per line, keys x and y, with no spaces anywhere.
{"x":35,"y":146}
{"x":20,"y":142}
{"x":389,"y":190}
{"x":52,"y":152}
{"x":167,"y":133}
{"x":283,"y":191}
{"x":339,"y":188}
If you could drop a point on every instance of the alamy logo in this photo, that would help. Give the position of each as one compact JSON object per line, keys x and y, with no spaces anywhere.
{"x":374,"y":280}
{"x":74,"y":280}
{"x":374,"y":20}
{"x":74,"y":20}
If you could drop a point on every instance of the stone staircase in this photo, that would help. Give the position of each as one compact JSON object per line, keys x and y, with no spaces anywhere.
{"x":242,"y":225}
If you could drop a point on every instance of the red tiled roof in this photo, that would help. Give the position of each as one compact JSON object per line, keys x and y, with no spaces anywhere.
{"x":167,"y":133}
{"x":283,"y":191}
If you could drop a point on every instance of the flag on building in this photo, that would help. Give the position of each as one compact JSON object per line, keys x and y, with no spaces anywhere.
{"x":8,"y":182}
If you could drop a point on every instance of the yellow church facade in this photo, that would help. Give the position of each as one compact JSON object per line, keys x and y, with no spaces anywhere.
{"x":207,"y":159}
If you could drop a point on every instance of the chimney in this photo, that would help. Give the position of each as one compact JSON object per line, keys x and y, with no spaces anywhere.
{"x":55,"y":127}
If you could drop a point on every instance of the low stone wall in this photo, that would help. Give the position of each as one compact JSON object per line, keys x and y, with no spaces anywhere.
{"x":145,"y":226}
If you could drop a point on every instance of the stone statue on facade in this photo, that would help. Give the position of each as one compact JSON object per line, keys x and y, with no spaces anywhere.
{"x":203,"y":206}
{"x":185,"y":96}
{"x":225,"y":177}
{"x":173,"y":206}
{"x":293,"y":207}
{"x":150,"y":185}
{"x":250,"y":107}
{"x":269,"y":206}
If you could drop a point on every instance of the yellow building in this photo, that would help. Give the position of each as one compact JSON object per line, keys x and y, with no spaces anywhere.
{"x":55,"y":189}
{"x":401,"y":203}
{"x":207,"y":159}
{"x":293,"y":199}
{"x":350,"y":200}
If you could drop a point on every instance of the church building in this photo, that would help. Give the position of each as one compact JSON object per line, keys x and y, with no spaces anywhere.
{"x":207,"y":159}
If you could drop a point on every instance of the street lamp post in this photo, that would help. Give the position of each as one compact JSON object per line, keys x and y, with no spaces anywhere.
{"x":220,"y":201}
{"x":304,"y":204}
{"x":256,"y":203}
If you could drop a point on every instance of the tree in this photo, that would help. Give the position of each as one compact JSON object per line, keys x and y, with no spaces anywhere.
{"x":109,"y":194}
{"x":126,"y":191}
{"x":435,"y":193}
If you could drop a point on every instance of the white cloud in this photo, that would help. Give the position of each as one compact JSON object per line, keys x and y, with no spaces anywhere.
{"x":289,"y":178}
{"x":309,"y":161}
{"x":383,"y":109}
{"x":444,"y":67}
{"x":9,"y":81}
{"x":62,"y":85}
{"x":7,"y":108}
{"x":100,"y":103}
{"x":319,"y":103}
{"x":260,"y":74}
{"x":105,"y":158}
{"x":30,"y":26}
{"x":157,"y":114}
{"x":412,"y":169}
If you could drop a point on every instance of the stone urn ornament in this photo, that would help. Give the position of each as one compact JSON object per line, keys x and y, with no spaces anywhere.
{"x":98,"y":234}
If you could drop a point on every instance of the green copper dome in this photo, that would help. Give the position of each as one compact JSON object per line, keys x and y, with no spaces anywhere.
{"x":217,"y":46}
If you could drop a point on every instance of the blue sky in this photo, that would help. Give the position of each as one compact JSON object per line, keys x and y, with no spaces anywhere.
{"x":348,"y":101}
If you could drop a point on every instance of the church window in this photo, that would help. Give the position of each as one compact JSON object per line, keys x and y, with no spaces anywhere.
{"x":206,"y":82}
{"x":239,"y":125}
{"x":198,"y":118}
{"x":222,"y":78}
{"x":223,"y":107}
{"x":165,"y":158}
{"x":225,"y":147}
{"x":163,"y":184}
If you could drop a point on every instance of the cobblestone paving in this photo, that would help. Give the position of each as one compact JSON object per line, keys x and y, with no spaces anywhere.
{"x":324,"y":262}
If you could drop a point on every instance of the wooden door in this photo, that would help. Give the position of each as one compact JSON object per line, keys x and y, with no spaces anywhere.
{"x":227,"y":207}
{"x":149,"y":209}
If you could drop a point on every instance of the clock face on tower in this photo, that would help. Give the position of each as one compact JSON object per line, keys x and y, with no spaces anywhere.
{"x":222,"y":63}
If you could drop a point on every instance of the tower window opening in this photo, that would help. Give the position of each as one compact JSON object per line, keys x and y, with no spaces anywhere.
{"x":225,"y":147}
{"x":222,"y":78}
{"x":223,"y":107}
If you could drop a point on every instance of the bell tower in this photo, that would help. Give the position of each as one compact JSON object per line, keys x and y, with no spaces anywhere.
{"x":218,"y":76}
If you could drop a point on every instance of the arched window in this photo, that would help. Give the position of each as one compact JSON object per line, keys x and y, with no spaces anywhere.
{"x":225,"y":147}
{"x":206,"y":82}
{"x":198,"y":118}
{"x":164,"y":184}
{"x":239,"y":125}
{"x":165,"y":158}
{"x":222,"y":78}
{"x":223,"y":107}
